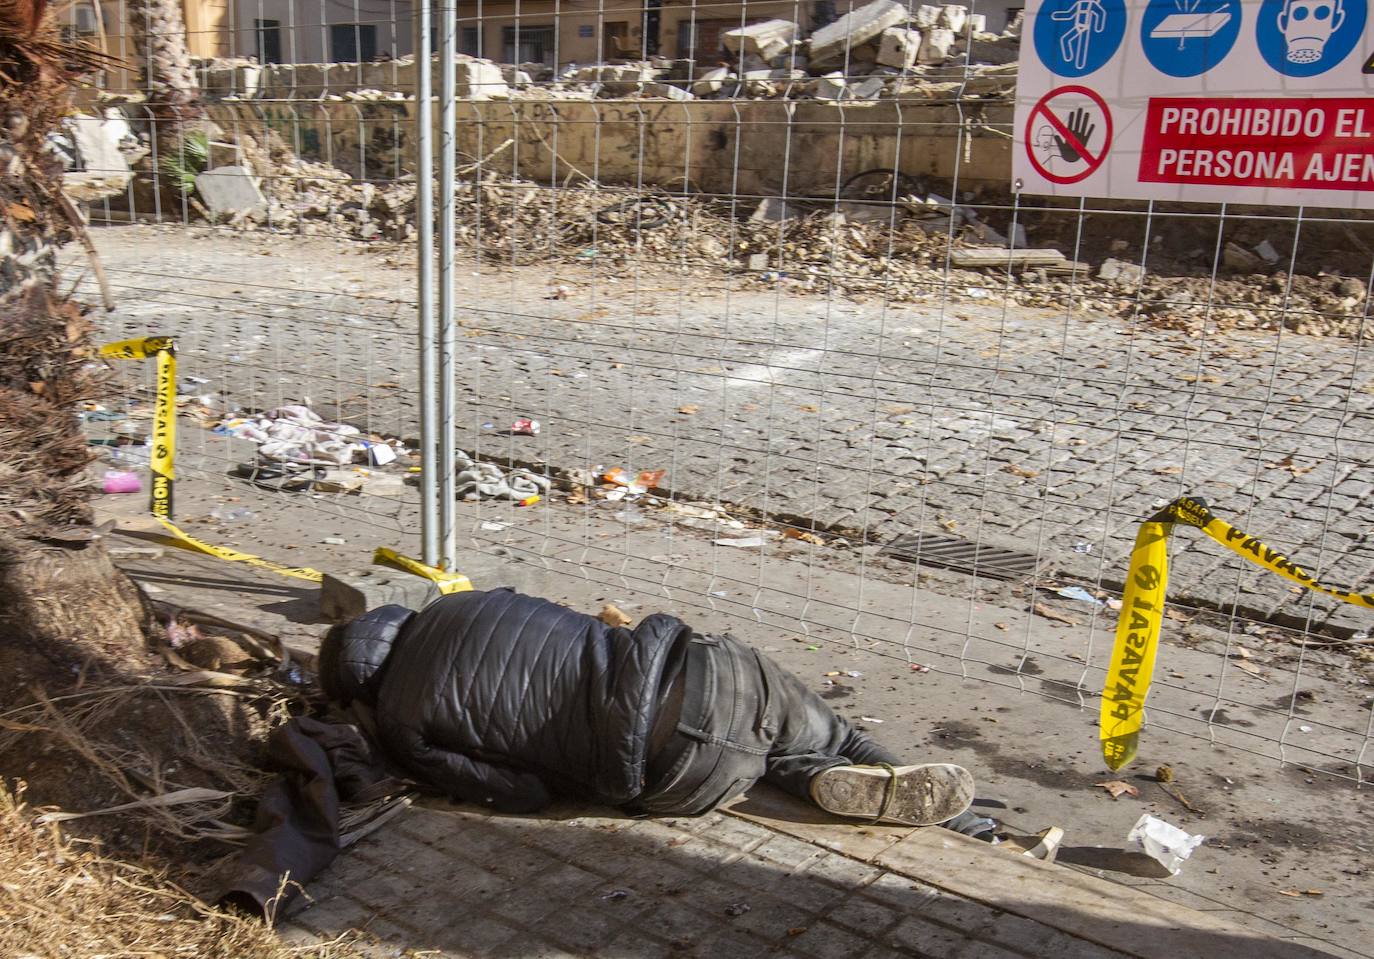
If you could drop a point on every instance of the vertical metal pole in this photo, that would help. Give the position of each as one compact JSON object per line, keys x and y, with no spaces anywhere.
{"x":424,"y":223}
{"x":448,"y":135}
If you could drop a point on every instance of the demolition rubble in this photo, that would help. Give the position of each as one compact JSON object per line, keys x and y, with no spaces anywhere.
{"x":884,"y":49}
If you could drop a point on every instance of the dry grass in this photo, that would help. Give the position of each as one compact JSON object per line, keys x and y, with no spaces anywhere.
{"x":58,"y":897}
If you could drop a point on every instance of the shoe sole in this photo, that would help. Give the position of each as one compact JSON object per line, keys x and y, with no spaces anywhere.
{"x":925,"y":795}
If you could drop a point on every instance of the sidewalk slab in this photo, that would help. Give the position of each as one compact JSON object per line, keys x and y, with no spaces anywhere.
{"x":451,"y":881}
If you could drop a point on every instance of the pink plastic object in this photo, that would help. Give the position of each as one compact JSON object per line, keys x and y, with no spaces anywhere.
{"x":525,"y":427}
{"x":122,"y":481}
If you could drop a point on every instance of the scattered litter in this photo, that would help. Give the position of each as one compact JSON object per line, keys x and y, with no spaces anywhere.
{"x":1250,"y":669}
{"x":688,"y":410}
{"x":613,"y":616}
{"x":1165,"y":773}
{"x":1078,"y":593}
{"x":745,"y":543}
{"x":1297,"y":893}
{"x":334,"y":541}
{"x":871,"y":719}
{"x":616,"y":894}
{"x":737,"y":908}
{"x":529,"y":500}
{"x":120,"y":481}
{"x":1164,"y":842}
{"x":1118,"y":788}
{"x":1045,"y":611}
{"x":477,"y":481}
{"x":803,"y":535}
{"x":1082,"y":547}
{"x":297,"y":434}
{"x":918,"y":668}
{"x":231,"y":514}
{"x":853,"y":674}
{"x":525,"y":427}
{"x":494,"y":527}
{"x":1304,"y":729}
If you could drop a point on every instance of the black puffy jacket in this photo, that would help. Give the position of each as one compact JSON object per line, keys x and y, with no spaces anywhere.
{"x":501,"y":698}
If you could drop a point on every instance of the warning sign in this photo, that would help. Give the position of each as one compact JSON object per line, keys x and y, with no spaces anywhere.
{"x":1245,"y":101}
{"x":1068,"y":134}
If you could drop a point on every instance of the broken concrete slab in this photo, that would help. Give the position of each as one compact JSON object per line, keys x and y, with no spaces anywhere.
{"x":345,"y":596}
{"x":713,"y":81}
{"x":480,"y":80}
{"x":954,"y":16}
{"x":899,"y":47}
{"x":230,"y":191}
{"x":829,"y":87}
{"x":926,"y":16}
{"x":832,"y":41}
{"x":1121,"y":272}
{"x":102,"y":169}
{"x":666,"y":91}
{"x":767,"y":39}
{"x":869,"y":88}
{"x":936,"y":44}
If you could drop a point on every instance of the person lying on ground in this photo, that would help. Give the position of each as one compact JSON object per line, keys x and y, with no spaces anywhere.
{"x":508,"y":701}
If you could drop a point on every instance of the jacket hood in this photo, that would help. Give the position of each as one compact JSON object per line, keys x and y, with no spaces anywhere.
{"x":363,"y":648}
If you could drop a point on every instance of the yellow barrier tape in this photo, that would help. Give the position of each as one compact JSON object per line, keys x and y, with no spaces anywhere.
{"x":446,"y":581}
{"x":1142,"y":611}
{"x":163,"y":454}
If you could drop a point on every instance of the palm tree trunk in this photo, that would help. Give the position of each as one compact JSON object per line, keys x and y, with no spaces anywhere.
{"x":62,"y":603}
{"x":159,"y":28}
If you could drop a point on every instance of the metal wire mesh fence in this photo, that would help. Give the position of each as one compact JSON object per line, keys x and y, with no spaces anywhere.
{"x":796,"y":351}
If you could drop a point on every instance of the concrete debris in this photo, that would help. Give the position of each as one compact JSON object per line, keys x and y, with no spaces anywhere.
{"x":768,"y":39}
{"x":936,"y":45}
{"x":346,"y":596}
{"x":1121,"y":273}
{"x":231,"y":190}
{"x":98,"y":164}
{"x":829,"y":87}
{"x":772,"y":209}
{"x":831,"y":42}
{"x":954,"y":16}
{"x":714,"y":81}
{"x":927,"y":16}
{"x":899,"y":47}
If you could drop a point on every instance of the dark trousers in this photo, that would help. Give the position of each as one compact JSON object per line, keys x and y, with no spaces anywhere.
{"x":744,"y":718}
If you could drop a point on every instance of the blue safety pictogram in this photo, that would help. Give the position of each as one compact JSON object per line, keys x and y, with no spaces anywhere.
{"x":1305,"y":38}
{"x":1077,"y":37}
{"x":1185,"y":38}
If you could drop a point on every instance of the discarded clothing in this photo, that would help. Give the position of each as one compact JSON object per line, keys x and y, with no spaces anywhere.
{"x":298,"y":819}
{"x":487,"y":481}
{"x":297,"y":434}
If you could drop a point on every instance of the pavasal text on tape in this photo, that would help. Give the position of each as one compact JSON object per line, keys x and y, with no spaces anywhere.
{"x":1142,"y":611}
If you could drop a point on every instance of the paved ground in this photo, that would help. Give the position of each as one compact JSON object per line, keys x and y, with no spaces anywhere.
{"x":1031,"y":430}
{"x":1006,"y":702}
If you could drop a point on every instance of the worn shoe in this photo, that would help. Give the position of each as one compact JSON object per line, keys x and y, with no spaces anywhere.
{"x":907,"y":795}
{"x":1044,"y":845}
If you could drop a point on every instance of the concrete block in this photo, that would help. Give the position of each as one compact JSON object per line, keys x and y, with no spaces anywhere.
{"x":832,"y":41}
{"x":666,"y":91}
{"x":713,"y":81}
{"x":926,"y":16}
{"x":1121,"y":272}
{"x":936,"y":45}
{"x":869,"y":88}
{"x":760,"y":83}
{"x":953,"y":17}
{"x":767,"y":39}
{"x":345,"y":596}
{"x":480,"y":80}
{"x":829,"y":87}
{"x":899,"y":48}
{"x":231,"y":190}
{"x":618,"y":79}
{"x":977,"y":23}
{"x":97,"y":147}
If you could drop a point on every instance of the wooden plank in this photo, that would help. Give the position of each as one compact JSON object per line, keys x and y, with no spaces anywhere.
{"x":1092,"y":909}
{"x":980,"y":257}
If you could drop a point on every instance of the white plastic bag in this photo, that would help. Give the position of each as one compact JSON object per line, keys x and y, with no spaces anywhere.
{"x":1166,"y":843}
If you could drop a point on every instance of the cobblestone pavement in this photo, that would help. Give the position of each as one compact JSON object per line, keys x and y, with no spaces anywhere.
{"x":453,"y":882}
{"x":1024,"y":429}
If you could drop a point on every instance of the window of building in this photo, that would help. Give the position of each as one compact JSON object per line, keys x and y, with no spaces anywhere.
{"x":470,"y":41}
{"x":700,"y":41}
{"x":352,"y":42}
{"x":530,"y":45}
{"x":615,"y":39}
{"x":268,"y":33}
